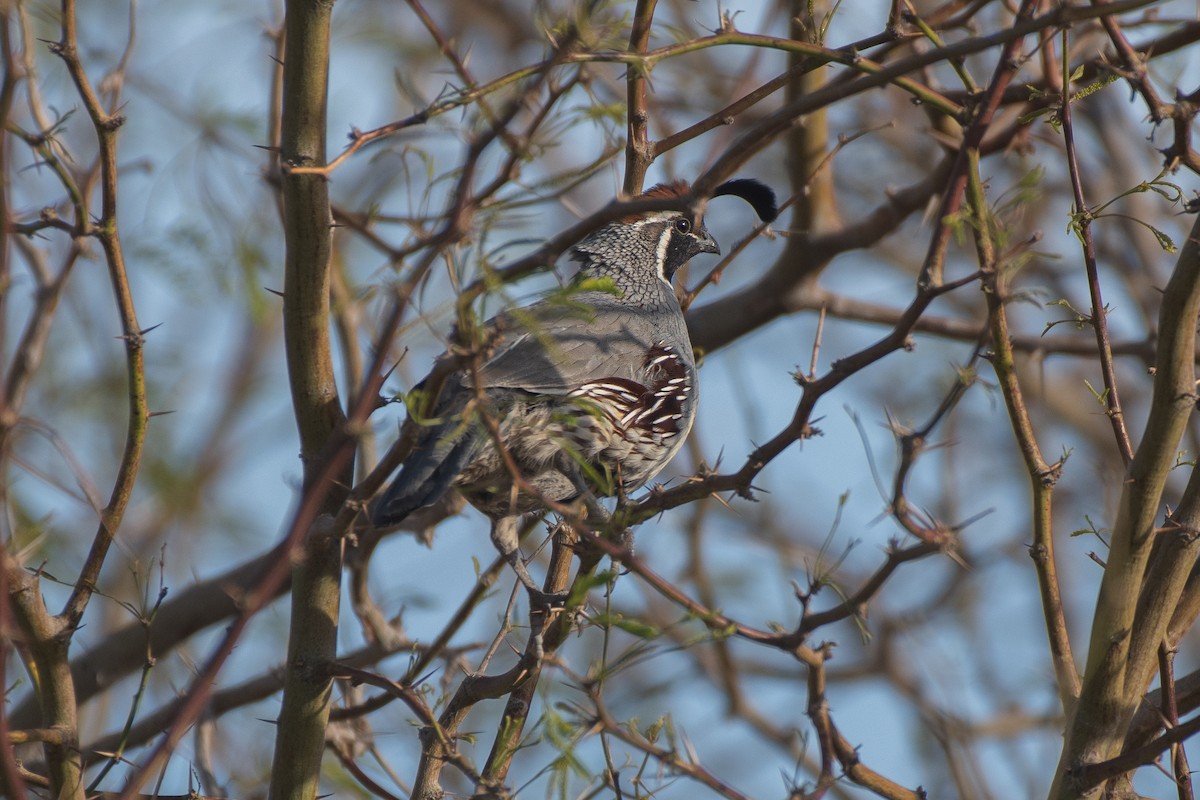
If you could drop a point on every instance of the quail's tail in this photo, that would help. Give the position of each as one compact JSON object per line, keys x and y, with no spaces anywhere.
{"x":428,"y":472}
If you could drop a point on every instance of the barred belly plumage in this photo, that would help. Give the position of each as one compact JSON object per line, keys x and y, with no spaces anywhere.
{"x":618,"y":430}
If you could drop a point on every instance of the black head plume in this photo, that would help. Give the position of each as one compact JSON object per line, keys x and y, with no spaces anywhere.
{"x":756,"y":193}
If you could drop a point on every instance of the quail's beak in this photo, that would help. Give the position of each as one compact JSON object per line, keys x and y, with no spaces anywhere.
{"x":705,"y":243}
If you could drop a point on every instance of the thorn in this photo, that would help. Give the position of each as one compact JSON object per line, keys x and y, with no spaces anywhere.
{"x":272,"y":291}
{"x":721,"y":500}
{"x":388,"y":373}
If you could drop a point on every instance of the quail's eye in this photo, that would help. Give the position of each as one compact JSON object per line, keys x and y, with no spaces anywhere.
{"x":683,"y":225}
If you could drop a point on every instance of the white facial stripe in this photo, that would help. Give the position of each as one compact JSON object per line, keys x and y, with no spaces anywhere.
{"x":664,"y":241}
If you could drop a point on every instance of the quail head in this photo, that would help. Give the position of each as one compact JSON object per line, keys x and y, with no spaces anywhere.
{"x":588,"y":394}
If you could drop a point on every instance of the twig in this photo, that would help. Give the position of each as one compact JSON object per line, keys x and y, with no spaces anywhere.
{"x":418,"y":706}
{"x":639,"y":150}
{"x":150,"y":661}
{"x":105,"y":125}
{"x":1007,"y":64}
{"x":602,"y":720}
{"x":1099,"y":317}
{"x":1170,"y":712}
{"x":1042,"y":475}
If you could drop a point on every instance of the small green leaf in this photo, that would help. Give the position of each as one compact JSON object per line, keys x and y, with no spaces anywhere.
{"x":1090,"y":529}
{"x":1164,"y":241}
{"x":642,"y":630}
{"x":655,"y":729}
{"x":1093,"y":87}
{"x":1101,"y":397}
{"x":604,"y":284}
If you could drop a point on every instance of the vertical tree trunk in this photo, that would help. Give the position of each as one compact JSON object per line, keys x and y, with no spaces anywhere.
{"x":300,"y":738}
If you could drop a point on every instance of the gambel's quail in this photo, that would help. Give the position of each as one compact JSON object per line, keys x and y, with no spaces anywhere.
{"x":590,"y":392}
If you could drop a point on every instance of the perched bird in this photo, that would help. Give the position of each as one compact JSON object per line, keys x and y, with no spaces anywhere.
{"x":589,"y":393}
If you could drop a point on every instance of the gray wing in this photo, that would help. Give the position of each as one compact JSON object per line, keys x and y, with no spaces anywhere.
{"x":551,"y":348}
